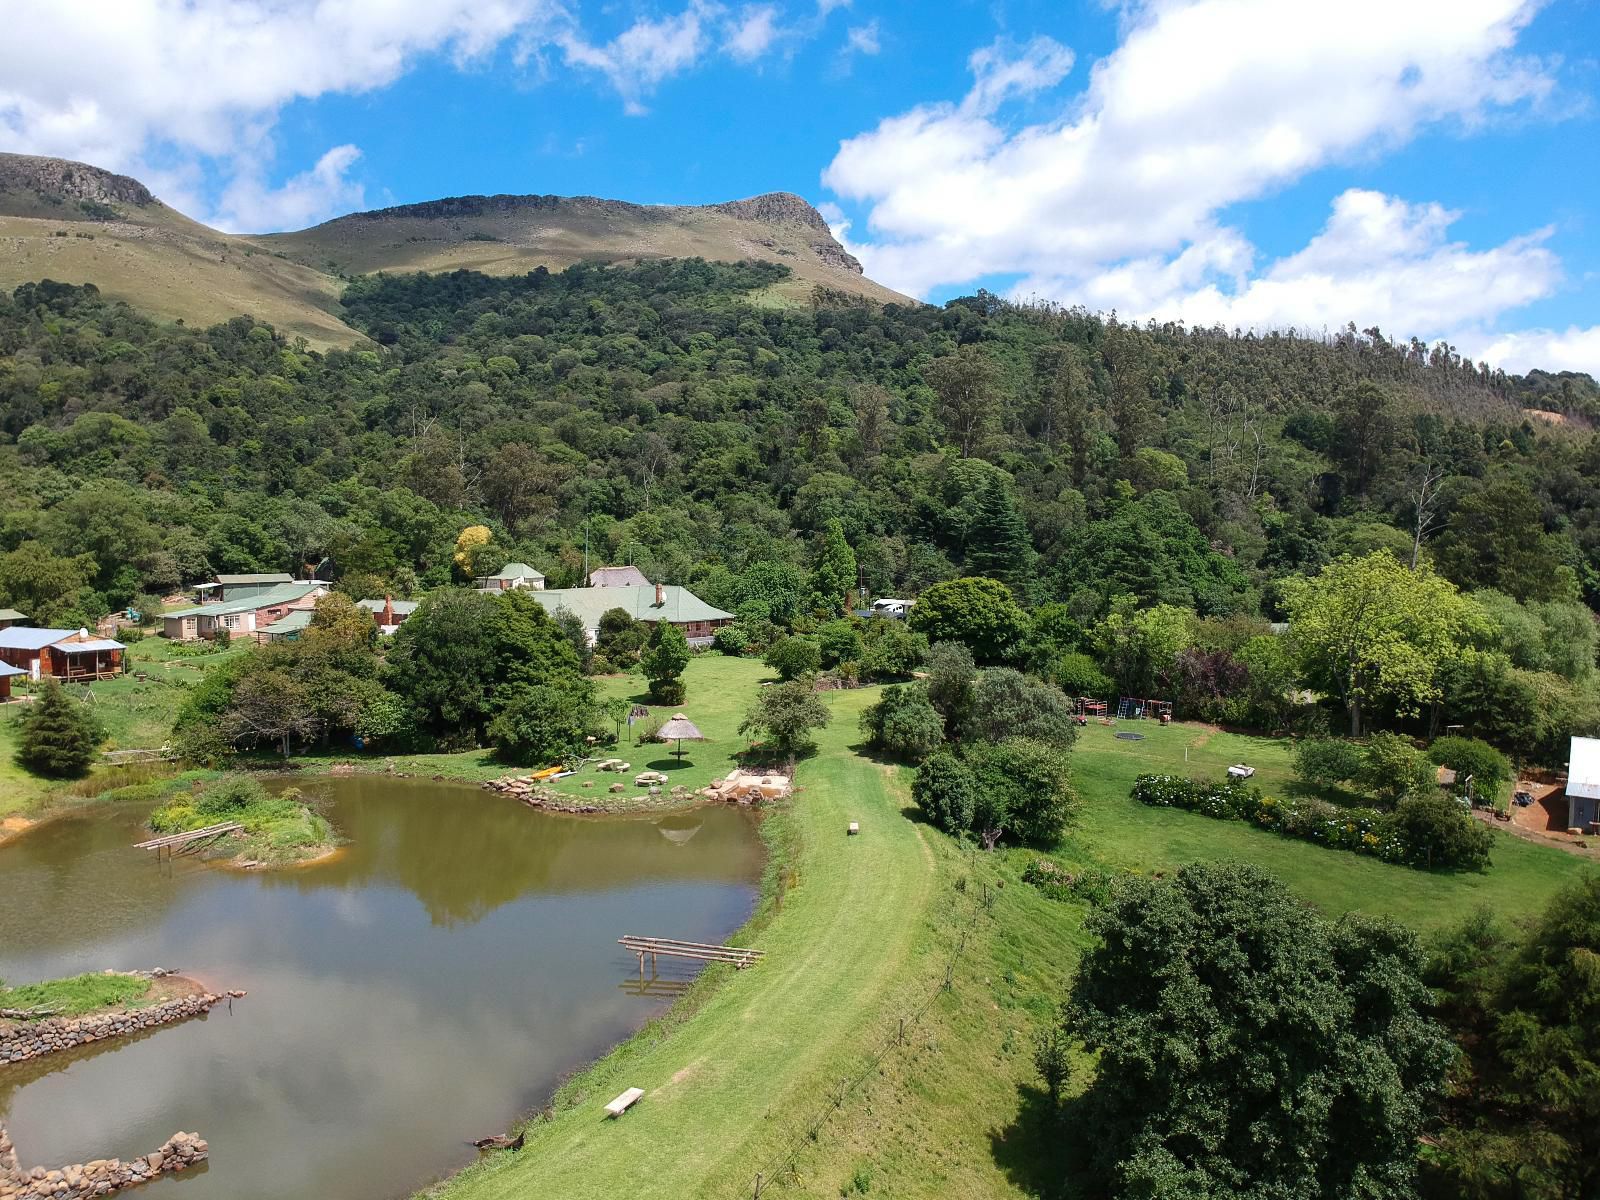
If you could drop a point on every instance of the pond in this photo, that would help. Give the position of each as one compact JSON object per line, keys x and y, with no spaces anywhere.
{"x":421,"y":989}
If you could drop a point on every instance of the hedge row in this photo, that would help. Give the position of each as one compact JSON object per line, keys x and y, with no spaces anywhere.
{"x":1423,"y":832}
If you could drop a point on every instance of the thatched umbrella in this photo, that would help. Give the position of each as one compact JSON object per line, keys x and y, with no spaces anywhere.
{"x":680,"y":729}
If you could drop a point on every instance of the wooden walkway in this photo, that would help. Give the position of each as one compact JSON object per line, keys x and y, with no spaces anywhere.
{"x":172,"y":841}
{"x":673,"y":948}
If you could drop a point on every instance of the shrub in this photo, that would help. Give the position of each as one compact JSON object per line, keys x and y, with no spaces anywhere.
{"x":731,"y":640}
{"x":1421,"y":835}
{"x":1395,"y":768}
{"x":944,"y":790}
{"x":889,"y":649}
{"x":1079,"y":675}
{"x":1327,"y":762}
{"x":1488,"y":768}
{"x":1437,"y":831}
{"x":794,"y":657}
{"x":664,"y":661}
{"x":542,"y":725}
{"x":223,"y":638}
{"x":784,"y":716}
{"x":1024,"y":790}
{"x":1008,"y":704}
{"x":839,"y":642}
{"x":903,"y":723}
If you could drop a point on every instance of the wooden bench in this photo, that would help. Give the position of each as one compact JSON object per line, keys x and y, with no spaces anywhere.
{"x":624,"y":1102}
{"x":853,"y":828}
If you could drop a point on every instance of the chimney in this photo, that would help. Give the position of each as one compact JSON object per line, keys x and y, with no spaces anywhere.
{"x":661,"y":596}
{"x":387,"y":617}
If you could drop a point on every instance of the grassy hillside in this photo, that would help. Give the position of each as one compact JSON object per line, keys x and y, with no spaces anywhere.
{"x":75,"y":223}
{"x":510,"y":235}
{"x":795,"y":1068}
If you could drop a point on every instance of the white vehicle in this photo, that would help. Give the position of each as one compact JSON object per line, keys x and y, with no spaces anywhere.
{"x":891,"y":608}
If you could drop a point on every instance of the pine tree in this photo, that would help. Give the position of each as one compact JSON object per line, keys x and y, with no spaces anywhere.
{"x":836,"y":570}
{"x":664,"y":661}
{"x":59,"y":736}
{"x":998,"y":544}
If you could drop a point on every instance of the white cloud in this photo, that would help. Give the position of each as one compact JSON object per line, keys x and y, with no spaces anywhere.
{"x":753,"y":32}
{"x":1206,"y":103}
{"x":248,"y":204}
{"x":1574,"y":349}
{"x":645,"y":53}
{"x":1378,"y":261}
{"x":1002,"y":70}
{"x":154,"y":87}
{"x":863,"y":39}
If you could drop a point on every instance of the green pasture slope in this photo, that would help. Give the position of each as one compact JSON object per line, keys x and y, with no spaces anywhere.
{"x":745,"y":1074}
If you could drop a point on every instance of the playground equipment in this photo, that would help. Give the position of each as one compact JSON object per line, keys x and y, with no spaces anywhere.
{"x":1089,"y":707}
{"x":1136,"y":708}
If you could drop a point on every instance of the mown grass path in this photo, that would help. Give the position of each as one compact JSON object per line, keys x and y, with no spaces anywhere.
{"x":729,"y":1089}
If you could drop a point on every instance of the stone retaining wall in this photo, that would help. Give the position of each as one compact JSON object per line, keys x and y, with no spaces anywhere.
{"x":30,"y":1039}
{"x":98,"y":1178}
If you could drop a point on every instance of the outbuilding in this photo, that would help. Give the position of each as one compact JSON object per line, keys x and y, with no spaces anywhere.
{"x":71,"y":655}
{"x":1583,"y":783}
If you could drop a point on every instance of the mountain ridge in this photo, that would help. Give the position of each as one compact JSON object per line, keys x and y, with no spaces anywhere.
{"x":81,"y":223}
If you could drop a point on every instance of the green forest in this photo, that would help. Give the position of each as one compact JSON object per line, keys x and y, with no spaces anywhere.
{"x":1153,"y":497}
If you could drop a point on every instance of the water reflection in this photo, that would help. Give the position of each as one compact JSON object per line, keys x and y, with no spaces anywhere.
{"x":405,"y":997}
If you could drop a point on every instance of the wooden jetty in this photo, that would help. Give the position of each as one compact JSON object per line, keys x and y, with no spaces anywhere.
{"x":172,"y":841}
{"x":673,"y":948}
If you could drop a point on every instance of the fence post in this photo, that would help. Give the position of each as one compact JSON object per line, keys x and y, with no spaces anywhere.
{"x":758,"y":1186}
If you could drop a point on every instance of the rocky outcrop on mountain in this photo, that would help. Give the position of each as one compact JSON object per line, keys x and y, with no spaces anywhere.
{"x":56,"y":177}
{"x":785,"y":208}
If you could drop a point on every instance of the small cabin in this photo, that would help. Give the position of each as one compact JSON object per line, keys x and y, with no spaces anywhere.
{"x":1583,"y":783}
{"x":510,"y":577}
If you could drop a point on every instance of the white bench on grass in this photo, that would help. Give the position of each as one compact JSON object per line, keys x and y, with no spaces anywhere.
{"x":624,"y":1102}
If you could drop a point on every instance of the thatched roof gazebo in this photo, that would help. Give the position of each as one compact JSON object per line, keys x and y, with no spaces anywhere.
{"x":680,"y":730}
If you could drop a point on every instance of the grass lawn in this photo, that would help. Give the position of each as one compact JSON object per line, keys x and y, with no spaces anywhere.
{"x":1116,"y":831}
{"x":78,"y":995}
{"x":746,"y":1073}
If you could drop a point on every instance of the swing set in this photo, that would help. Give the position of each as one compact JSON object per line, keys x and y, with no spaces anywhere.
{"x":1135,"y":708}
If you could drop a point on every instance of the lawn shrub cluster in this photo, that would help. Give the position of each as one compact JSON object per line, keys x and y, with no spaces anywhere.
{"x":1092,"y":884}
{"x":278,"y":830}
{"x":1423,"y":831}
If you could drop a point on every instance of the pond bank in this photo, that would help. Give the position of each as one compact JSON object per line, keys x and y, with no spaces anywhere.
{"x":174,"y":998}
{"x":98,"y":1177}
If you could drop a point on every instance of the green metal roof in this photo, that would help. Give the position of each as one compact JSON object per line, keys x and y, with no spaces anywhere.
{"x":291,"y":622}
{"x":284,"y":593}
{"x":515,"y":571}
{"x":679,"y":605}
{"x":11,"y":614}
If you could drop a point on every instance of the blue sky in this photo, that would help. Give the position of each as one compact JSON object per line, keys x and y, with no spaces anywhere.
{"x":1429,"y":166}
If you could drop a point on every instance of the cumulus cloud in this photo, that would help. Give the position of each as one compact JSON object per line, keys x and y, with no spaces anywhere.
{"x":1378,"y":261}
{"x":248,"y":203}
{"x":153,"y":86}
{"x":1202,"y":106}
{"x":645,"y":53}
{"x":1574,"y":349}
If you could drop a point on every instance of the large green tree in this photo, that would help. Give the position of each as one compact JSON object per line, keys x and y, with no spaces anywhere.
{"x":979,"y":613}
{"x":1247,"y":1048}
{"x":1371,"y":628}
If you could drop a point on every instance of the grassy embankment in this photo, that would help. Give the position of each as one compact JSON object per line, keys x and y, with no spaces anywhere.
{"x":135,"y":715}
{"x":78,"y":995}
{"x":858,"y":933}
{"x":721,"y":694}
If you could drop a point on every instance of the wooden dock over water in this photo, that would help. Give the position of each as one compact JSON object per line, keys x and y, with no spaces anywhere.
{"x":673,"y":948}
{"x":172,"y":841}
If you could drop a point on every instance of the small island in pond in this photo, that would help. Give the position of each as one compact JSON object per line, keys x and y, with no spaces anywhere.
{"x":280,"y":830}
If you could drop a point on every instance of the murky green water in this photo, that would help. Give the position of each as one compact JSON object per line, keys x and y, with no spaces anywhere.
{"x":434,"y":980}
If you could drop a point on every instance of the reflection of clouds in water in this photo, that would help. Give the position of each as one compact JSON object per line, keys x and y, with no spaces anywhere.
{"x":352,"y":909}
{"x":419,"y":991}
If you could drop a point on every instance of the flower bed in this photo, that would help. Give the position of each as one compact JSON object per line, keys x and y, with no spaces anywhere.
{"x":1358,"y":830}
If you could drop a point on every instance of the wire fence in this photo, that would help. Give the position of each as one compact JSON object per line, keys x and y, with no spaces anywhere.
{"x":780,"y":1169}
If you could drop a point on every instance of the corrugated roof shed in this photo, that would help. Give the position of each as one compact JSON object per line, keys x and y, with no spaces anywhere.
{"x":292,"y":622}
{"x":515,"y":571}
{"x":7,"y":670}
{"x":11,"y":614}
{"x":87,"y":646}
{"x":1583,"y":768}
{"x":269,"y":577}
